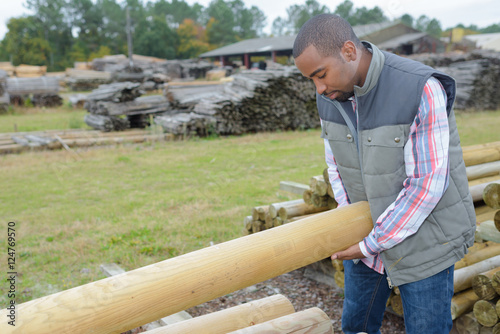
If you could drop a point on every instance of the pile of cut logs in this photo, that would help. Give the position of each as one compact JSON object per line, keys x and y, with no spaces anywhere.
{"x":82,"y":80}
{"x":118,"y":106}
{"x":42,"y":90}
{"x":253,"y":101}
{"x":4,"y":96}
{"x":475,"y":303}
{"x":477,"y":74}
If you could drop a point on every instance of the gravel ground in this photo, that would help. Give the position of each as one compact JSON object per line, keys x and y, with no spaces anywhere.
{"x":303,"y":293}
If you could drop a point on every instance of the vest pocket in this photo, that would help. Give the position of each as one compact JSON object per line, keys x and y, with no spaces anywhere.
{"x":383,"y":149}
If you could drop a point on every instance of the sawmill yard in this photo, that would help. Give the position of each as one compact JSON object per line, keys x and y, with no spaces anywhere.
{"x":137,"y":204}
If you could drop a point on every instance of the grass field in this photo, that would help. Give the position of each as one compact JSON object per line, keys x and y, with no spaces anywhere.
{"x":140,"y":204}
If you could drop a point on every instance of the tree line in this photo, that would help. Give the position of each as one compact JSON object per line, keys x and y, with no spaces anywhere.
{"x":61,"y":32}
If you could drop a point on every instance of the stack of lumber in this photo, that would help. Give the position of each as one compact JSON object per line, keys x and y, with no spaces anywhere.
{"x":477,"y":74}
{"x":83,"y":80}
{"x":4,"y":95}
{"x":7,"y":67}
{"x":44,"y":90}
{"x":254,"y":101}
{"x":17,"y":142}
{"x":274,"y":314}
{"x":29,"y":71}
{"x":119,"y":105}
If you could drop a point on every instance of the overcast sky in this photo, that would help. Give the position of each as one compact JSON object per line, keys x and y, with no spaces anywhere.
{"x":449,"y":12}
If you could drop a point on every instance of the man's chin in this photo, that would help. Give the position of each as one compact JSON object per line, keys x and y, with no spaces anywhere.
{"x":345,"y":96}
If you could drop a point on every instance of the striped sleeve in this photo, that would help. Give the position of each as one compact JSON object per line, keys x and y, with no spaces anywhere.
{"x":427,"y":170}
{"x":339,"y":191}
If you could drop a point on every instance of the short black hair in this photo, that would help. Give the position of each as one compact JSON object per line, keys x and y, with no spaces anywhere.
{"x":327,"y":33}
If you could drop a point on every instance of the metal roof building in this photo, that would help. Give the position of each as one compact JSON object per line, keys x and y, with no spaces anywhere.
{"x":392,"y":36}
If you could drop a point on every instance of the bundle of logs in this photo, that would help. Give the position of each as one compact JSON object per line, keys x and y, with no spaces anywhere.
{"x":118,"y":106}
{"x":474,"y":305}
{"x":43,"y":91}
{"x":4,"y":96}
{"x":477,"y":74}
{"x":253,"y":101}
{"x":83,"y":80}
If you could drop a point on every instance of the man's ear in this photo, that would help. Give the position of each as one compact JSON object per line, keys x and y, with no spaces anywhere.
{"x":348,"y":51}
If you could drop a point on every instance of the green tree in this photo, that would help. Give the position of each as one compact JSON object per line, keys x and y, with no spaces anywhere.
{"x":490,"y":29}
{"x":407,"y":19}
{"x":86,"y":21}
{"x":153,"y":37}
{"x":220,"y":31}
{"x":25,"y":42}
{"x":345,"y":10}
{"x":297,"y":16}
{"x":434,"y":28}
{"x":364,"y":15}
{"x":192,"y":40}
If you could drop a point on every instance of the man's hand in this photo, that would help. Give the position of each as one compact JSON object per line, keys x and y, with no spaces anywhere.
{"x":353,"y":252}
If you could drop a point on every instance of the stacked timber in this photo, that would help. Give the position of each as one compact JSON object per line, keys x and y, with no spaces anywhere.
{"x":83,"y":80}
{"x":29,"y":71}
{"x":118,"y":106}
{"x":43,"y":90}
{"x":7,"y":67}
{"x":254,"y":101}
{"x":477,"y":74}
{"x":4,"y":95}
{"x":273,"y":314}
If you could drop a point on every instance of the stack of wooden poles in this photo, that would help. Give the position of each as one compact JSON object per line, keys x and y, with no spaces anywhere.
{"x":480,"y":264}
{"x":274,"y":314}
{"x":316,"y":198}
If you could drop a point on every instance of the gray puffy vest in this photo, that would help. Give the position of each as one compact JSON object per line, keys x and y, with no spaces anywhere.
{"x":369,"y":153}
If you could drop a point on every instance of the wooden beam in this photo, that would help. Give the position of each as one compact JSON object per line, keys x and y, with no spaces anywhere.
{"x":126,"y":301}
{"x":463,"y":277}
{"x":231,"y":319}
{"x":293,"y":187}
{"x":311,"y":321}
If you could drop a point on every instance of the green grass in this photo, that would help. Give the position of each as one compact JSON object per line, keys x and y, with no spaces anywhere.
{"x":39,"y":119}
{"x":139,"y":204}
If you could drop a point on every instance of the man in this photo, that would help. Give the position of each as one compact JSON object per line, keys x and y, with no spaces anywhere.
{"x":391,"y":139}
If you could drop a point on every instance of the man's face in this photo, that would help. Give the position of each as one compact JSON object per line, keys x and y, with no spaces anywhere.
{"x":334,"y":76}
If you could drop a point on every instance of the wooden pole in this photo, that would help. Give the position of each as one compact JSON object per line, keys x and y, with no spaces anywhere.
{"x":231,"y":319}
{"x":463,"y":277}
{"x":485,"y":313}
{"x":488,"y":231}
{"x":496,"y":220}
{"x":462,"y":303}
{"x":311,"y":321}
{"x":477,"y":190}
{"x":491,"y":195}
{"x":483,"y":170}
{"x":482,"y":285}
{"x":468,"y":324}
{"x":483,"y":253}
{"x":126,"y":301}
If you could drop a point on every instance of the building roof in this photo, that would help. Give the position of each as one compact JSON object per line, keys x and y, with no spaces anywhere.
{"x":268,"y":44}
{"x":486,"y":41}
{"x":254,"y":45}
{"x":403,"y":39}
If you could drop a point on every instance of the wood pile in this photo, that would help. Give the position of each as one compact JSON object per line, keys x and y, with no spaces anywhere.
{"x":29,"y":71}
{"x":119,"y":106}
{"x":477,"y":74}
{"x":7,"y":67}
{"x":254,"y":101}
{"x":4,"y":96}
{"x":82,"y":80}
{"x":17,"y":142}
{"x":42,"y":90}
{"x":476,"y":275}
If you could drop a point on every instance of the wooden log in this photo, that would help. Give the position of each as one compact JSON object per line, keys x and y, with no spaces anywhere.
{"x":293,"y":187}
{"x":339,"y":278}
{"x":480,"y":253}
{"x":321,"y":188}
{"x":462,"y":303}
{"x":486,"y":330}
{"x":488,"y":231}
{"x":313,"y":321}
{"x":488,"y":214}
{"x":485,"y":313}
{"x":338,"y":265}
{"x":26,"y":86}
{"x":483,"y":170}
{"x":491,"y":195}
{"x":320,"y":201}
{"x":485,"y":180}
{"x":463,"y":277}
{"x":495,"y":282}
{"x":481,"y":156}
{"x":467,"y":323}
{"x":294,"y":208}
{"x":259,"y":212}
{"x":234,"y":318}
{"x":247,"y":223}
{"x":397,"y":304}
{"x":307,"y":196}
{"x":126,"y":301}
{"x":477,"y":191}
{"x":496,"y":329}
{"x":332,"y":203}
{"x":496,"y":220}
{"x":482,"y":285}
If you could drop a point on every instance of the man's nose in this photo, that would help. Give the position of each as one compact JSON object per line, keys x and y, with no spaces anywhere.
{"x":320,"y":86}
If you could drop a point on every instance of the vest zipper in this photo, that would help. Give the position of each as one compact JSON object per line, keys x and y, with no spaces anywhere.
{"x":389,"y":283}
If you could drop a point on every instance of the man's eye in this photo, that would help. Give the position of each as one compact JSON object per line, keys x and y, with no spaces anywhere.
{"x":322,"y":76}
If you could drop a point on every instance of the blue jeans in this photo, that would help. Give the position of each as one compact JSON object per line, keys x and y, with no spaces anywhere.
{"x":426,"y":303}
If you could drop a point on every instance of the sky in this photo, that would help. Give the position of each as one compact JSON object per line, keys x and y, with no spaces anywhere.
{"x":449,"y":12}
